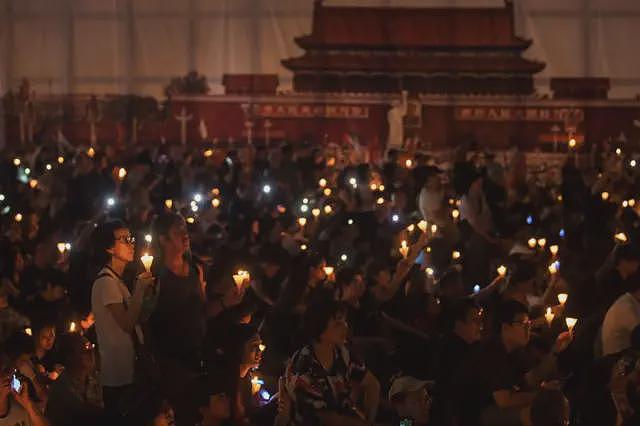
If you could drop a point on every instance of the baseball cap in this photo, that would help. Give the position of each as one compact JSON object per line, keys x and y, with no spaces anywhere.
{"x":406,"y":384}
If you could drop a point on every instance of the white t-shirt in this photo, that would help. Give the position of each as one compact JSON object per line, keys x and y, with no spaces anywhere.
{"x":621,"y":318}
{"x":117,"y":354}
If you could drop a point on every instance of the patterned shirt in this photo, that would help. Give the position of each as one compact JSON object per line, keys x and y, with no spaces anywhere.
{"x":314,"y":389}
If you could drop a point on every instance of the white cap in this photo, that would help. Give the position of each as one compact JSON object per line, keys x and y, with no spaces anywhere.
{"x":406,"y":384}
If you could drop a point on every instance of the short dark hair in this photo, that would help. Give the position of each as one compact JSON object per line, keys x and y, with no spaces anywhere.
{"x":71,"y":346}
{"x":459,"y":311}
{"x":104,"y":238}
{"x":507,"y":312}
{"x":521,"y":271}
{"x":548,"y":408}
{"x":317,"y":316}
{"x":626,"y":252}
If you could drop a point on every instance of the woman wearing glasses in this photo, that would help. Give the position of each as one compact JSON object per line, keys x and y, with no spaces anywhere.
{"x":116,"y":311}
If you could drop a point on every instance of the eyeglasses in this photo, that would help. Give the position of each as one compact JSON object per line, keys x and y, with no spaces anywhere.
{"x":525,"y":324}
{"x":127,"y":239}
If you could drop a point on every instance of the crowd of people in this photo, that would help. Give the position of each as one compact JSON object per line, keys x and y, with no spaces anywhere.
{"x":299,"y":284}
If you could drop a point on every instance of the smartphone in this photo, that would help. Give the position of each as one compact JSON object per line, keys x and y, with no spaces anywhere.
{"x":16,"y":383}
{"x":406,"y":422}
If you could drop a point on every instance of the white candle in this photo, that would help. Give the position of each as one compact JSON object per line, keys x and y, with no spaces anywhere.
{"x":553,"y":249}
{"x":549,"y":316}
{"x":502,"y":270}
{"x":423,"y":225}
{"x":562,"y":298}
{"x":147,"y":261}
{"x":621,"y":237}
{"x":571,"y":322}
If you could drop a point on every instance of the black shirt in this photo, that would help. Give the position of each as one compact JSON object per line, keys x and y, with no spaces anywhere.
{"x":178,"y":321}
{"x":490,"y":368}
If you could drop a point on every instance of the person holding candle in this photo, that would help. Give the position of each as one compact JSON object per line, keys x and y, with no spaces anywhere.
{"x":496,"y":385}
{"x":116,"y":311}
{"x":178,"y":322}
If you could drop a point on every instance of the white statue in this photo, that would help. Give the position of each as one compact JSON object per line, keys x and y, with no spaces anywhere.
{"x":395,"y":118}
{"x":204,"y":132}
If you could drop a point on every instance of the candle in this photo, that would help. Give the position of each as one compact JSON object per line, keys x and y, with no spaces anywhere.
{"x":215,"y":192}
{"x":148,"y":238}
{"x":549,"y":316}
{"x":322,"y":183}
{"x":455,"y":214}
{"x":542,"y":242}
{"x":553,"y":268}
{"x":16,"y":162}
{"x":327,"y":192}
{"x":502,"y":270}
{"x":328,"y":270}
{"x":28,"y":331}
{"x":562,"y":298}
{"x":91,"y":152}
{"x":620,"y":237}
{"x":122,"y":173}
{"x":625,"y":204}
{"x":303,"y":247}
{"x":18,"y":217}
{"x":60,"y":160}
{"x":404,"y":251}
{"x":373,"y":187}
{"x":381,"y":188}
{"x":408,"y":163}
{"x":315,"y":212}
{"x":168,"y":203}
{"x":604,"y":196}
{"x":33,"y":183}
{"x":191,"y":220}
{"x":429,"y":271}
{"x":380,"y":201}
{"x":215,"y":203}
{"x":302,"y":221}
{"x":571,"y":322}
{"x":572,"y":143}
{"x":411,"y":228}
{"x":207,"y":153}
{"x":240,"y":277}
{"x":532,"y":243}
{"x":147,"y":261}
{"x":632,"y":202}
{"x":256,"y":384}
{"x":434,"y":228}
{"x":553,"y":249}
{"x":327,"y":209}
{"x":72,"y":327}
{"x":61,"y":247}
{"x":423,"y":225}
{"x":262,"y":347}
{"x":455,"y":255}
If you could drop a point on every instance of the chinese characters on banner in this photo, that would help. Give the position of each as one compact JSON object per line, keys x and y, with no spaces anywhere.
{"x":286,"y":110}
{"x":483,"y":113}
